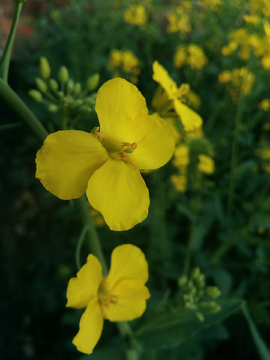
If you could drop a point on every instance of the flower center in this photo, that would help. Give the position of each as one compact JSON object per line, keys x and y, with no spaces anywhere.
{"x":105,"y":298}
{"x":121,"y":153}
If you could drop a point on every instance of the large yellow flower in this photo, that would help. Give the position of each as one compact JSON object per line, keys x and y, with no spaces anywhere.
{"x":172,"y":95}
{"x":106,"y":164}
{"x":121,"y":296}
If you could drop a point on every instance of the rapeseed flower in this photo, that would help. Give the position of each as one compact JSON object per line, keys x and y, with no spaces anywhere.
{"x":106,"y":164}
{"x":121,"y":296}
{"x":206,"y":164}
{"x":135,"y":15}
{"x":171,"y":98}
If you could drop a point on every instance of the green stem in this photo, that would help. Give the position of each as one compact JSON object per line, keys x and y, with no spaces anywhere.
{"x":189,"y":251}
{"x":79,"y":246}
{"x":10,"y":126}
{"x":26,"y":115}
{"x":83,"y":210}
{"x":4,"y":64}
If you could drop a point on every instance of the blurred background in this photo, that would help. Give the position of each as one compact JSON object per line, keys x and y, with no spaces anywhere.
{"x":212,"y":212}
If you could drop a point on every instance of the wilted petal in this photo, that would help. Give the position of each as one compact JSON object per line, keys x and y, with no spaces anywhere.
{"x":127,"y":262}
{"x":91,"y":325}
{"x":84,"y":287}
{"x":118,"y":191}
{"x":67,"y":160}
{"x":131,"y":301}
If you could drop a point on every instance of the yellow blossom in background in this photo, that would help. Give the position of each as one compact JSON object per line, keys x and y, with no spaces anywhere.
{"x":106,"y":164}
{"x":191,"y":55}
{"x":193,"y":100}
{"x":195,"y":134}
{"x":265,"y":154}
{"x":206,"y":164}
{"x":265,"y":62}
{"x":252,"y":19}
{"x":224,"y":76}
{"x":135,"y":15}
{"x":179,"y":182}
{"x":213,"y":4}
{"x":180,"y":56}
{"x":169,"y":97}
{"x":121,"y":296}
{"x":97,"y":218}
{"x":181,"y":156}
{"x":178,"y":21}
{"x":127,"y":61}
{"x":265,"y":104}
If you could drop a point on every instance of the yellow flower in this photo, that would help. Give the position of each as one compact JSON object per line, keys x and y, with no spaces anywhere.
{"x":106,"y":165}
{"x":181,"y":155}
{"x":206,"y":164}
{"x":265,"y":104}
{"x":135,"y":15}
{"x":224,"y":76}
{"x":121,"y":296}
{"x":265,"y":62}
{"x":190,"y":119}
{"x":196,"y":57}
{"x":179,"y":182}
{"x":180,"y":56}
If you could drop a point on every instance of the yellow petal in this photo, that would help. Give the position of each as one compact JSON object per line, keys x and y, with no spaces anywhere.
{"x":128,"y":262}
{"x":190,"y":119}
{"x":162,"y":76}
{"x":118,"y":191}
{"x":85,"y":286}
{"x":131,"y":301}
{"x":91,"y":325}
{"x":118,"y":103}
{"x":155,"y":142}
{"x":67,"y":160}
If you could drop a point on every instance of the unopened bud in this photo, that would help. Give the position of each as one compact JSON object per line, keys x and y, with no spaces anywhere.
{"x":53,"y":84}
{"x":84,"y":110}
{"x":63,"y":74}
{"x":41,"y":85}
{"x":182,"y":281}
{"x":75,"y":104}
{"x":53,"y":108}
{"x":70,"y":86}
{"x":92,"y":82}
{"x":94,"y":130}
{"x":77,"y":88}
{"x":213,"y":292}
{"x":36,"y":95}
{"x":44,"y":68}
{"x":195,"y":273}
{"x":211,"y":306}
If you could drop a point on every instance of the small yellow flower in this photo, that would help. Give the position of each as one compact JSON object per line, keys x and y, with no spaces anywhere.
{"x":121,"y":296}
{"x":106,"y":164}
{"x":135,"y":15}
{"x":179,"y":182}
{"x":180,"y":56}
{"x":172,"y":95}
{"x":265,"y":62}
{"x":224,"y":76}
{"x":196,"y":57}
{"x":181,"y":156}
{"x":265,"y":104}
{"x":206,"y":164}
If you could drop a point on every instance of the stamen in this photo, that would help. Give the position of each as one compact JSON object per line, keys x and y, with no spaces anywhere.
{"x":128,"y":144}
{"x":96,"y":132}
{"x":123,"y":155}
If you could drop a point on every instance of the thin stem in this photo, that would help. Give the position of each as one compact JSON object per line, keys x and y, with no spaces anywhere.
{"x":93,"y":240}
{"x":79,"y":246}
{"x":25,"y":114}
{"x":188,"y":256}
{"x":4,"y":64}
{"x":10,"y":126}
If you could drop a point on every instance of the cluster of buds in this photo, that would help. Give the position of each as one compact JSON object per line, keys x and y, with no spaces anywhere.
{"x":64,"y":96}
{"x":196,"y":296}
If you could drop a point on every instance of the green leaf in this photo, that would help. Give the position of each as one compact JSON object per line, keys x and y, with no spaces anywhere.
{"x":178,"y":325}
{"x":258,"y":340}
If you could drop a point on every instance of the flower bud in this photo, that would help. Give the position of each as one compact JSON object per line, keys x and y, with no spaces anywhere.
{"x":182,"y":281}
{"x":41,"y":85}
{"x":52,"y":108}
{"x":213,"y":292}
{"x":92,"y":82}
{"x":195,"y":273}
{"x":75,"y":104}
{"x":53,"y":84}
{"x":36,"y":95}
{"x":84,"y":110}
{"x":44,"y":68}
{"x":199,"y":316}
{"x":211,"y":306}
{"x":70,"y":86}
{"x":77,"y":88}
{"x":63,"y":74}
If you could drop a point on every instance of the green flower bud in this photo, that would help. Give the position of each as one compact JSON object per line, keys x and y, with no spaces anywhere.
{"x":41,"y":85}
{"x":75,"y":104}
{"x":44,"y":68}
{"x":211,"y":306}
{"x":60,"y":94}
{"x":199,"y":316}
{"x":92,"y":82}
{"x":94,"y":130}
{"x":213,"y":292}
{"x":84,"y":110}
{"x":36,"y":95}
{"x":63,"y":74}
{"x":182,"y":281}
{"x":77,"y":88}
{"x":195,"y":273}
{"x":53,"y":108}
{"x":70,"y":86}
{"x":53,"y":84}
